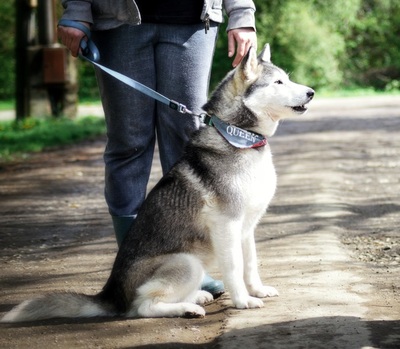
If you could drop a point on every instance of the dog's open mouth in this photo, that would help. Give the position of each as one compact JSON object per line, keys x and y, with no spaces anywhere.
{"x":300,"y":108}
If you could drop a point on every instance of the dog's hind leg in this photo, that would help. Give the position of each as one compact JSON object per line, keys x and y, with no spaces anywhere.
{"x":173,"y":290}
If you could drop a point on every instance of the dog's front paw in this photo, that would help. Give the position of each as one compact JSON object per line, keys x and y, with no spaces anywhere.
{"x":264,"y":291}
{"x":249,"y":303}
{"x":203,"y":297}
{"x":193,"y":311}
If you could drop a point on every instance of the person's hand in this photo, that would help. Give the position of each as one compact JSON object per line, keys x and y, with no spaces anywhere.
{"x":71,"y":37}
{"x":240,"y":40}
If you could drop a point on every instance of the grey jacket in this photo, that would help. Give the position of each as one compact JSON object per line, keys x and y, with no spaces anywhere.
{"x":107,"y":14}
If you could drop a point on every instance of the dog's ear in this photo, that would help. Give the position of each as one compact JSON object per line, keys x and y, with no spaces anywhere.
{"x":265,"y":54}
{"x":249,"y":65}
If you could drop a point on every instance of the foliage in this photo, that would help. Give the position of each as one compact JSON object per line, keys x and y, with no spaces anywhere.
{"x":87,"y":81}
{"x":34,"y":135}
{"x":373,"y":45}
{"x":7,"y":62}
{"x":309,"y":48}
{"x":305,"y":37}
{"x":326,"y":44}
{"x":221,"y":63}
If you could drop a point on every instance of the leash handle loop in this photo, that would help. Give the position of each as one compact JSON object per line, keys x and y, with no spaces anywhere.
{"x":88,"y":47}
{"x":76,"y":25}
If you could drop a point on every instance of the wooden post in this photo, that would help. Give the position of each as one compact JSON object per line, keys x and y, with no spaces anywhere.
{"x":45,"y":74}
{"x":46,"y":22}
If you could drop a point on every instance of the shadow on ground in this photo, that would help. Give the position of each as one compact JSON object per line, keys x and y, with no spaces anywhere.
{"x":323,"y":333}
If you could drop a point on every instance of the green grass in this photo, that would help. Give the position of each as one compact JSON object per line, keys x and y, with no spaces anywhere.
{"x":19,"y":138}
{"x":7,"y":105}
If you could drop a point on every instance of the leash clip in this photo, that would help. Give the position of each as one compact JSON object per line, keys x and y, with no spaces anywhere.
{"x":181,"y":108}
{"x":205,"y":119}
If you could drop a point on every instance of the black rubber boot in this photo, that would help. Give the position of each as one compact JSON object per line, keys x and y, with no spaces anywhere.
{"x":122,"y":224}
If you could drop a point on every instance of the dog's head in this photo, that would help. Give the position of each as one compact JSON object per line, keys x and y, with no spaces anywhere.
{"x":257,"y":94}
{"x":269,"y":90}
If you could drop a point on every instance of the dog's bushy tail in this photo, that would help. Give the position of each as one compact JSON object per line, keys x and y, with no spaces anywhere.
{"x":58,"y":305}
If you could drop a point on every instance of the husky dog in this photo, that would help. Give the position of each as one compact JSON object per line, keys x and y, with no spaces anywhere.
{"x":208,"y":205}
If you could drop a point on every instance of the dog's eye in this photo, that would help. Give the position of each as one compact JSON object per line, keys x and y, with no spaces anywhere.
{"x":279,"y":82}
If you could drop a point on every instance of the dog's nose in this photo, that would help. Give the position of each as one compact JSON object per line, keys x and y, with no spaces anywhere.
{"x":310,"y":93}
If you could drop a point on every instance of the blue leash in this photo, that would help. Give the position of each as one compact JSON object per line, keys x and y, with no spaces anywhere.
{"x":90,"y":53}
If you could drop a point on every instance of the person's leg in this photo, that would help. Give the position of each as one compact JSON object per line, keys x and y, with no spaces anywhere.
{"x":183,"y":58}
{"x":130,"y":120}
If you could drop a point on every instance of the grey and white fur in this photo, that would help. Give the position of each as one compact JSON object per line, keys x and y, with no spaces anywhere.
{"x":206,"y":207}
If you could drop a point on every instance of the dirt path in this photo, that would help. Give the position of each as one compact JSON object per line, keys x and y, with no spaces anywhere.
{"x":330,"y":242}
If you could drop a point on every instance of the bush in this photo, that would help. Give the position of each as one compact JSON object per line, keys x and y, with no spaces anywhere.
{"x":7,"y":61}
{"x":325,"y":44}
{"x":305,"y":37}
{"x":373,"y":45}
